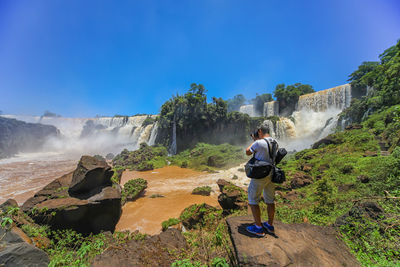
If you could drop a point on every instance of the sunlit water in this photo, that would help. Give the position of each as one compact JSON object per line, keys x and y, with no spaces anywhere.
{"x":22,"y":176}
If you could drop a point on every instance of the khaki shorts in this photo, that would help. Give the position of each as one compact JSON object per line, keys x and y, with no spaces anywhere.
{"x":261,"y":186}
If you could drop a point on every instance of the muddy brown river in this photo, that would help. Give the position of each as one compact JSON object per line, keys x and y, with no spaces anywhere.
{"x":175,"y":185}
{"x":21,"y":177}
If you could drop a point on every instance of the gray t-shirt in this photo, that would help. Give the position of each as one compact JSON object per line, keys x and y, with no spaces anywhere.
{"x":261,"y":150}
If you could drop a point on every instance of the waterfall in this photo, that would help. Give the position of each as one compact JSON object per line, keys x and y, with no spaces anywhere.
{"x":283,"y":129}
{"x":271,"y":109}
{"x":153,"y":134}
{"x":315,"y":117}
{"x":173,"y":147}
{"x":96,"y":135}
{"x":334,"y":98}
{"x":247,"y":109}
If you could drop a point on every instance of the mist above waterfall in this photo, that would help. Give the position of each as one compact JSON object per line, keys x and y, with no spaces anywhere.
{"x":96,"y":135}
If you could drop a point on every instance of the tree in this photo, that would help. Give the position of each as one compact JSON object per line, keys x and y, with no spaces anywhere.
{"x":288,"y":96}
{"x":259,"y":101}
{"x":50,"y":114}
{"x":235,"y":103}
{"x":384,"y":77}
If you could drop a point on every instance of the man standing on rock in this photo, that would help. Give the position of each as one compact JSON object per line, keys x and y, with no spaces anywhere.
{"x":261,"y":150}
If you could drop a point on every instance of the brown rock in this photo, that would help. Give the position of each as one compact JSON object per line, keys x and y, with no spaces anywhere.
{"x":300,"y":180}
{"x":307,"y":167}
{"x":194,"y":214}
{"x":21,"y":234}
{"x":292,"y":195}
{"x":232,"y":197}
{"x":323,"y":167}
{"x":294,"y":245}
{"x":345,"y":187}
{"x":96,"y":208}
{"x":370,"y":154}
{"x":353,"y":127}
{"x":14,"y":251}
{"x":325,"y":141}
{"x":363,"y":179}
{"x":8,"y":203}
{"x":90,"y":173}
{"x":153,"y":251}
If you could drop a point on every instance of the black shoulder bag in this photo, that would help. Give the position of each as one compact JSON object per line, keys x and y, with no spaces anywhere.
{"x":278,"y":175}
{"x":258,"y":169}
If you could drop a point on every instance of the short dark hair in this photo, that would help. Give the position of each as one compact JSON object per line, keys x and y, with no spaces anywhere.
{"x":264,"y":129}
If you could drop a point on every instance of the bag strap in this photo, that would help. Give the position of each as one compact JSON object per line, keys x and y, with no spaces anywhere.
{"x":269,"y":151}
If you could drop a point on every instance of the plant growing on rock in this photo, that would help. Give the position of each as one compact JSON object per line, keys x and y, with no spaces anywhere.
{"x":170,"y":222}
{"x":202,"y":190}
{"x":132,"y":189}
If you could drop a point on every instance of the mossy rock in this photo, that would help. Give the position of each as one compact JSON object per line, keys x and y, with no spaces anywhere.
{"x":202,"y":190}
{"x":132,"y":189}
{"x":194,"y":215}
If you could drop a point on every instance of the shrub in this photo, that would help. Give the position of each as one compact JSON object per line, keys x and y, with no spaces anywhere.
{"x":132,"y":189}
{"x":171,"y":221}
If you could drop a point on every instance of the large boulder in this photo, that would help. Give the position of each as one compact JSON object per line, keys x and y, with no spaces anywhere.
{"x":91,"y":173}
{"x":152,"y":251}
{"x":14,"y":251}
{"x":293,"y":245}
{"x":232,"y":197}
{"x":84,"y":200}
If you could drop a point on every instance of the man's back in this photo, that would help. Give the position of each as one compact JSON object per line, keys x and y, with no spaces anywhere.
{"x":261,"y":149}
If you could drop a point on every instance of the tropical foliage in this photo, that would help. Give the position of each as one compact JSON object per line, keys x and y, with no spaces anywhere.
{"x":288,"y":96}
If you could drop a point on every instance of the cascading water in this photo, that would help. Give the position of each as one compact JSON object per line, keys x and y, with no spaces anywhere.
{"x":334,"y":98}
{"x":153,"y":135}
{"x":315,"y":117}
{"x":271,"y":109}
{"x":247,"y":109}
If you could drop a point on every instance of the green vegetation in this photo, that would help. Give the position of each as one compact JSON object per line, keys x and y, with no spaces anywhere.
{"x":383,"y":77}
{"x":216,"y":262}
{"x":198,"y":121}
{"x":259,"y":101}
{"x":202,"y":190}
{"x":170,"y":222}
{"x":338,"y":190}
{"x":236,"y":102}
{"x":208,"y":237}
{"x":204,"y":157}
{"x":149,"y":120}
{"x":208,"y":157}
{"x":132,"y":189}
{"x":116,"y":178}
{"x":145,"y":158}
{"x":289,"y":95}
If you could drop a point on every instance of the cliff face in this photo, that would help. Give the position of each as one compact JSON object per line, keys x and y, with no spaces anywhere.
{"x":18,"y":136}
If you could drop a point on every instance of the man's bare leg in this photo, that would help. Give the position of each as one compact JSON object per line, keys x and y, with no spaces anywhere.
{"x":271,"y":213}
{"x":255,"y":210}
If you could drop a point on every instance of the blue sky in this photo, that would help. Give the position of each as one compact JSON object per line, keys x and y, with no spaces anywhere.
{"x":82,"y":58}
